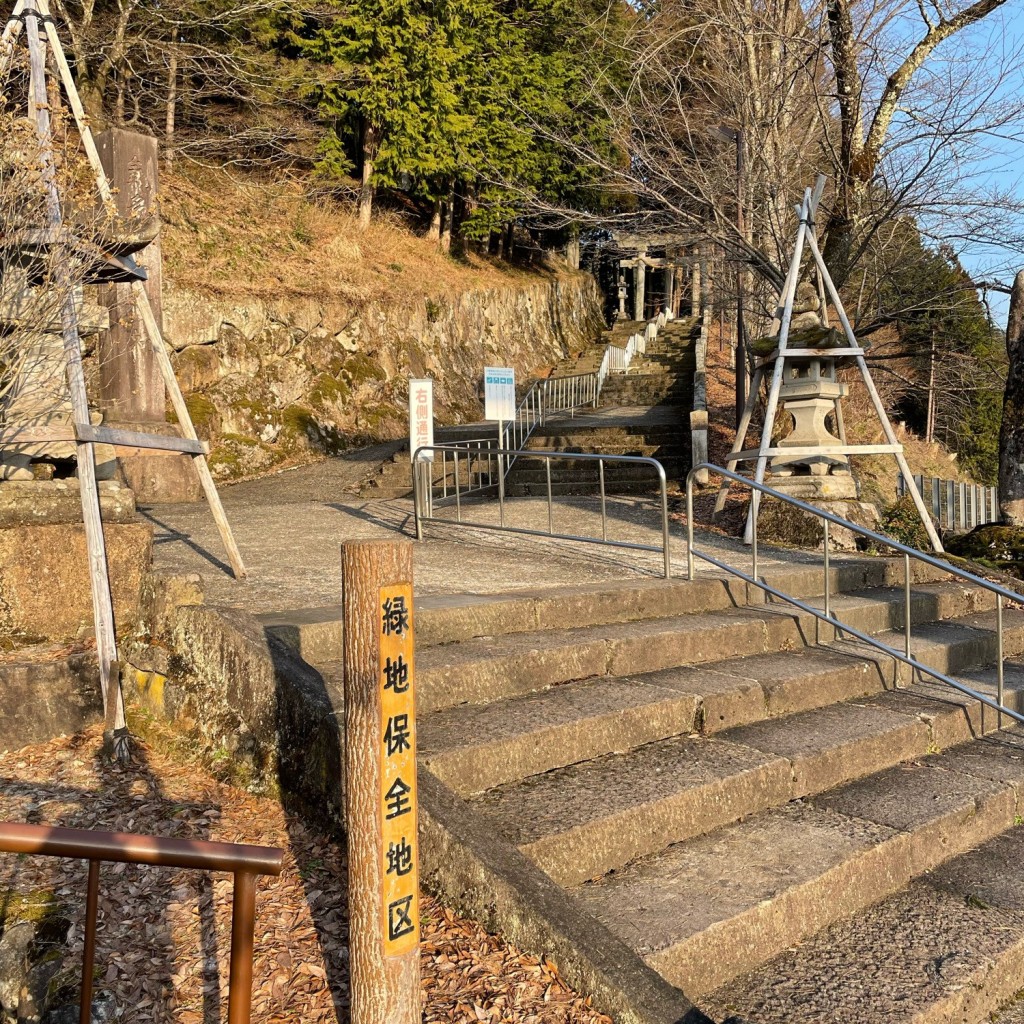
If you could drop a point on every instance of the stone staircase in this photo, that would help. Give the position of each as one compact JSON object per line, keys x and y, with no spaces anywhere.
{"x":643,"y":411}
{"x":393,"y":477}
{"x":663,"y":375}
{"x":661,"y":433}
{"x":780,"y":823}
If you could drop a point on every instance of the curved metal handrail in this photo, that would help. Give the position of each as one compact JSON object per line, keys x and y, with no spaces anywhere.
{"x":825,"y":614}
{"x":423,"y":494}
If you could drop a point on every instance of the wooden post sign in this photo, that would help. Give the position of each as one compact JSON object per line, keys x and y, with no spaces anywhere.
{"x":380,"y":781}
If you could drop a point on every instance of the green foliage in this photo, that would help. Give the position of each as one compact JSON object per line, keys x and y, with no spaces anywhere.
{"x":455,"y":99}
{"x":930,"y":298}
{"x":902,"y":522}
{"x":994,"y":546}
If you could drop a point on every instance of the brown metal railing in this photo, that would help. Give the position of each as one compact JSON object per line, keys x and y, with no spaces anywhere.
{"x":244,"y":862}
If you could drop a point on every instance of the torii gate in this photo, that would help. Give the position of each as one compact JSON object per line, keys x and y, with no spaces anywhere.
{"x":639,"y":264}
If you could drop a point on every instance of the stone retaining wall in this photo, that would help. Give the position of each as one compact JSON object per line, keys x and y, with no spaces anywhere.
{"x":266,"y":381}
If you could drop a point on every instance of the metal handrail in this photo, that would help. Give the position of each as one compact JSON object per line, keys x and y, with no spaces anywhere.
{"x":571,"y":392}
{"x":423,"y":495}
{"x":826,"y":615}
{"x":245,"y":862}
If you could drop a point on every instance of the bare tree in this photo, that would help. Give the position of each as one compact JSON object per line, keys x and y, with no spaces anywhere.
{"x":43,"y":273}
{"x":196,"y":72}
{"x":897,"y":103}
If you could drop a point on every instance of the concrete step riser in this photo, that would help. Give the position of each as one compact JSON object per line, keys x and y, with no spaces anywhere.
{"x":316,"y":633}
{"x":639,"y":386}
{"x":492,"y":678}
{"x":476,"y":767}
{"x":959,"y":954}
{"x":672,"y":447}
{"x":597,"y":847}
{"x":732,"y":947}
{"x":622,"y":488}
{"x":588,"y":473}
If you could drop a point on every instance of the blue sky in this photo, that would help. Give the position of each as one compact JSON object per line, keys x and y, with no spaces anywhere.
{"x":1003,"y":165}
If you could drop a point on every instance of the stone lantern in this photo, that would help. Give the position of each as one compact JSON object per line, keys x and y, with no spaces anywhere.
{"x":810,"y":393}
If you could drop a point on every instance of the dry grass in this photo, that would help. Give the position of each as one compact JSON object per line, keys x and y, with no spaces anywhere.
{"x":223,"y":235}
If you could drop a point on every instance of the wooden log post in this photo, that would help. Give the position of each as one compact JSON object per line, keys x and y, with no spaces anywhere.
{"x":380,"y":781}
{"x":132,"y":392}
{"x":131,"y":389}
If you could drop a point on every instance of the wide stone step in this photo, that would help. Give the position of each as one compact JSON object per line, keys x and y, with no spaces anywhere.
{"x":705,"y":911}
{"x":538,"y":647}
{"x":527,"y":470}
{"x":669,"y":445}
{"x":487,"y":669}
{"x":947,"y":947}
{"x":316,"y":633}
{"x":617,"y":808}
{"x":560,"y":437}
{"x":625,"y":488}
{"x":637,"y":383}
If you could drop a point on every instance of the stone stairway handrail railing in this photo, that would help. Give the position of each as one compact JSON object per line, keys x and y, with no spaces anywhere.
{"x":566,"y":394}
{"x":425,"y":500}
{"x":825,"y":614}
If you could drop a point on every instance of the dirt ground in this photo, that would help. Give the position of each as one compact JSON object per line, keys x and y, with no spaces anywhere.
{"x":164,"y":935}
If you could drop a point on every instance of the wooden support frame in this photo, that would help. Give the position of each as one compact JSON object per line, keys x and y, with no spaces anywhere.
{"x":33,"y":20}
{"x":807,"y":236}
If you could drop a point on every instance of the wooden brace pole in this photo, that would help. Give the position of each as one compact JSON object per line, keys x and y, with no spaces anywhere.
{"x":145,"y":311}
{"x":144,"y":308}
{"x":103,"y":609}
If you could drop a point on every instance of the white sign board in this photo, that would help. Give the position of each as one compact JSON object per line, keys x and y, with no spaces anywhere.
{"x":421,"y":417}
{"x":499,"y":393}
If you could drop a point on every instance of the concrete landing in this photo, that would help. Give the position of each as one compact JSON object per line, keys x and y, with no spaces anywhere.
{"x":290,"y":527}
{"x":620,"y":416}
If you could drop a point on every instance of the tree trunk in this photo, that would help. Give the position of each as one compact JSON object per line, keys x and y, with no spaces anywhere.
{"x":434,"y":231}
{"x":572,"y":248}
{"x":366,"y":189}
{"x":172,"y":103}
{"x":929,"y":429}
{"x":850,"y":174}
{"x":90,"y":92}
{"x":1011,"y":433}
{"x":508,"y":240}
{"x":449,"y":217}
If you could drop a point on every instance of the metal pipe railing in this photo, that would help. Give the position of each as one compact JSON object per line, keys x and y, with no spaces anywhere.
{"x":567,"y":394}
{"x":423,"y":496}
{"x":905,"y":656}
{"x":246,"y":863}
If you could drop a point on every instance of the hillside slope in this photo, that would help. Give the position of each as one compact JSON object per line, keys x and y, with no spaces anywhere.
{"x":295,"y":334}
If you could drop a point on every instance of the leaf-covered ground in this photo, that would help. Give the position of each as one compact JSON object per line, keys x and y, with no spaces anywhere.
{"x":164,"y":935}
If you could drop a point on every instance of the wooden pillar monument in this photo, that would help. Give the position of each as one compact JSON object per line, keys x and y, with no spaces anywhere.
{"x":380,"y":781}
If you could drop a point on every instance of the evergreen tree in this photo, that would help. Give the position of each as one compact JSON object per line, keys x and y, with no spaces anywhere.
{"x":452,"y":98}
